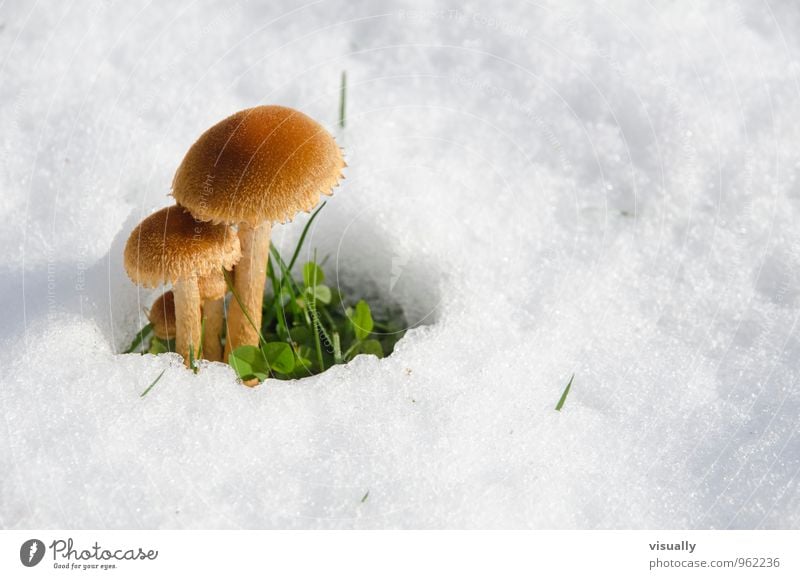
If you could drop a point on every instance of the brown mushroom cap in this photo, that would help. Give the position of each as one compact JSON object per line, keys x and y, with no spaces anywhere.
{"x":262,"y":164}
{"x":171,"y":245}
{"x":162,"y":316}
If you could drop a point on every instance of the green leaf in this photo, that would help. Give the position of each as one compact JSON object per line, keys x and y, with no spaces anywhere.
{"x":157,"y":346}
{"x":321,"y":292}
{"x":303,"y":359}
{"x":564,"y":395}
{"x":362,"y":320}
{"x":312,"y":274}
{"x":249,"y":362}
{"x":372,"y":347}
{"x":300,"y":334}
{"x":280,"y":356}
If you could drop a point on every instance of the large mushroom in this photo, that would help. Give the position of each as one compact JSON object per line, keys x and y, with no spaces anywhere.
{"x":259,"y":166}
{"x":171,"y":246}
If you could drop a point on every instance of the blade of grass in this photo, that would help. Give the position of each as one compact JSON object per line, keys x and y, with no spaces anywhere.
{"x":299,"y":358}
{"x":312,"y":306}
{"x":286,"y":275}
{"x":202,"y":338}
{"x":290,"y":283}
{"x":140,"y":337}
{"x":280,"y":316}
{"x":353,"y":346}
{"x":328,"y":317}
{"x":381,"y":326}
{"x":564,"y":395}
{"x":336,"y":341}
{"x":143,"y":394}
{"x":321,"y":328}
{"x":337,"y":348}
{"x":343,"y":99}
{"x":303,"y":236}
{"x":192,"y":358}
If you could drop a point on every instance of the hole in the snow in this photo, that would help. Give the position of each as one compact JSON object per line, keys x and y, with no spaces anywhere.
{"x":351,"y":290}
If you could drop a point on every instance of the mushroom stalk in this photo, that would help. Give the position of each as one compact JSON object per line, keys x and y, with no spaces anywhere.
{"x":187,"y":317}
{"x":249,"y":280}
{"x":213,"y":314}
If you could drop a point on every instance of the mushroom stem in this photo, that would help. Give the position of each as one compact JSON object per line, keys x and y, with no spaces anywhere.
{"x":187,"y":317}
{"x":249,"y":280}
{"x":212,"y":312}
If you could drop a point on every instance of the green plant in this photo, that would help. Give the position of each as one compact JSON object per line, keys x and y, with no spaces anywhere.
{"x":563,"y":398}
{"x":153,"y":383}
{"x":306,"y":326}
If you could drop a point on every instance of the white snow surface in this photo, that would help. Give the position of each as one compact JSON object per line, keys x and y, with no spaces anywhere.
{"x":608,"y":189}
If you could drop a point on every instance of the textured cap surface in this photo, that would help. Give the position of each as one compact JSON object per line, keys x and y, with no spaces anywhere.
{"x":262,"y":164}
{"x":171,"y":245}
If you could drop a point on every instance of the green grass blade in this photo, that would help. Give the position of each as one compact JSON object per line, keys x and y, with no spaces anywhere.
{"x":202,"y":338}
{"x":140,"y":337}
{"x":290,"y":283}
{"x":354,"y":345}
{"x":564,"y":395}
{"x":192,"y":358}
{"x":286,"y":276}
{"x":297,"y":249}
{"x":143,"y":394}
{"x":337,"y":348}
{"x":312,"y":306}
{"x":281,"y":327}
{"x":343,"y":99}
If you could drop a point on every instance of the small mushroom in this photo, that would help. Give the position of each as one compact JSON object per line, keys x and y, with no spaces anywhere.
{"x":259,"y":166}
{"x":162,"y":316}
{"x":171,"y":246}
{"x":212,"y":289}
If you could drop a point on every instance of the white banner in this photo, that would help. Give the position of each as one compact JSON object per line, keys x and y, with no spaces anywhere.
{"x":402,"y":554}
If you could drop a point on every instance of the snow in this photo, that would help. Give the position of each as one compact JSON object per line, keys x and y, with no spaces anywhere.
{"x":608,"y":189}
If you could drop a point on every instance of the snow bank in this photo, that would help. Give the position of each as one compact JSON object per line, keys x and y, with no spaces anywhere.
{"x":608,"y":190}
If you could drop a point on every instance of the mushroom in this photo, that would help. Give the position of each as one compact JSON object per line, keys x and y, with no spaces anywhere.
{"x":162,"y":316}
{"x":171,"y":246}
{"x":259,"y":166}
{"x":212,"y":289}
